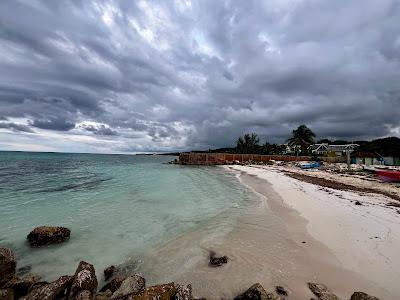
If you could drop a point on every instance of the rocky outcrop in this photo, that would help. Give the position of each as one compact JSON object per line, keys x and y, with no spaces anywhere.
{"x":109,"y":272}
{"x":159,"y":292}
{"x":7,"y":294}
{"x":21,"y":286}
{"x":362,"y":296}
{"x":130,"y":286}
{"x":216,"y":261}
{"x":46,"y":235}
{"x":84,"y":279}
{"x":114,"y":284}
{"x":280,"y":290}
{"x":256,"y":292}
{"x":7,"y":265}
{"x":322,"y":292}
{"x":183,"y":292}
{"x":103,"y":295}
{"x":50,"y":291}
{"x":83,"y":295}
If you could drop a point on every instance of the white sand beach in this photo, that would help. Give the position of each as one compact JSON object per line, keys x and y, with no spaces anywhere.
{"x":365,"y":239}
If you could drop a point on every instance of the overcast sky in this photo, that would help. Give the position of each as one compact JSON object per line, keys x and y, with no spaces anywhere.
{"x":132,"y":76}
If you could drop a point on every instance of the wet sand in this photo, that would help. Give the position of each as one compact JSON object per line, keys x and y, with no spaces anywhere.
{"x":270,"y":243}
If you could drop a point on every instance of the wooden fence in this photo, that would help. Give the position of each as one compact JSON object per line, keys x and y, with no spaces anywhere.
{"x":227,"y":158}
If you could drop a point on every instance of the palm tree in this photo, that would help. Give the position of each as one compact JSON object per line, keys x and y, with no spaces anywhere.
{"x":302,"y":138}
{"x":248,"y":143}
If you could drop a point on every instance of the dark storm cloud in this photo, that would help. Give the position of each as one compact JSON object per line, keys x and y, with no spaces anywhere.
{"x":186,"y":74}
{"x":16,"y":127}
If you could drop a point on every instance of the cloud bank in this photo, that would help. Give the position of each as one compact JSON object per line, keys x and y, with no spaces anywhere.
{"x":132,"y":76}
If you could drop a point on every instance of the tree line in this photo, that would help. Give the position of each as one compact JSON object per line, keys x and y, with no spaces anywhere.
{"x":301,"y":139}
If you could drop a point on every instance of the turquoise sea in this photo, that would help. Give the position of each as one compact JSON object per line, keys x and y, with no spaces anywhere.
{"x":118,"y":207}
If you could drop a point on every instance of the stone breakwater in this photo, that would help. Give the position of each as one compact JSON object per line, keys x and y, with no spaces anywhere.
{"x":83,"y":285}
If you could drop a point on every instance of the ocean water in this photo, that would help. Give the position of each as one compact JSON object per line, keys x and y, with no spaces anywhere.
{"x":118,"y":207}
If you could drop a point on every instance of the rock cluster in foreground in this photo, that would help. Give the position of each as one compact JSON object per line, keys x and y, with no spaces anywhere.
{"x":83,"y":285}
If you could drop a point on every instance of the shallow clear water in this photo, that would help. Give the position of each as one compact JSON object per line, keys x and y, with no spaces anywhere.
{"x":118,"y":207}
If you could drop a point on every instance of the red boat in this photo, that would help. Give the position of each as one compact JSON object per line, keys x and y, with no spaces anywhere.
{"x":389,"y":175}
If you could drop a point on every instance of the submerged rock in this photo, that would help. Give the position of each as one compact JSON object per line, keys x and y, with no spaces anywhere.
{"x":322,"y":292}
{"x":114,"y":284}
{"x":52,"y":290}
{"x":7,"y":265}
{"x":280,"y":290}
{"x":362,"y":296}
{"x":46,"y":235}
{"x":109,"y":272}
{"x":256,"y":292}
{"x":131,"y":285}
{"x":84,"y":279}
{"x":216,"y":261}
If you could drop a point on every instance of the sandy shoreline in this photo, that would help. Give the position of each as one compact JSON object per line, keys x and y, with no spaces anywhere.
{"x":363,"y":238}
{"x":295,"y":233}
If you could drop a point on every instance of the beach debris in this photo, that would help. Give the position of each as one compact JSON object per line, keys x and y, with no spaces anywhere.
{"x":362,"y":296}
{"x":217,"y":261}
{"x":6,"y":294}
{"x":50,"y":291}
{"x":114,"y":284}
{"x":256,"y":292}
{"x":183,"y":292}
{"x":322,"y":292}
{"x":280,"y":290}
{"x":46,"y":235}
{"x":7,"y":265}
{"x":21,"y":286}
{"x":109,"y":272}
{"x":131,"y":285}
{"x":84,"y":279}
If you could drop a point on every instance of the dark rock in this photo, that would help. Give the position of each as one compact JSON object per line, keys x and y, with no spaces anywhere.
{"x":183,"y":292}
{"x":23,"y":270}
{"x":159,"y":292}
{"x":84,"y":279}
{"x":7,"y":265}
{"x":280,"y":290}
{"x":216,"y":261}
{"x":6,"y":294}
{"x":50,"y":291}
{"x":131,"y":285}
{"x":103,"y":295}
{"x":109,"y":272}
{"x":256,"y":292}
{"x":114,"y":284}
{"x":46,"y":235}
{"x":357,"y":203}
{"x":21,"y":286}
{"x":362,"y":296}
{"x":322,"y":292}
{"x":83,"y":295}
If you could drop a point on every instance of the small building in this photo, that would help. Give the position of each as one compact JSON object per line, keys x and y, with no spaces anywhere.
{"x":366,"y":158}
{"x":338,"y":150}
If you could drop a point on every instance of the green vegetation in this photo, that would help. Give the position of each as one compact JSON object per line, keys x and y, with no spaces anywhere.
{"x":301,"y":139}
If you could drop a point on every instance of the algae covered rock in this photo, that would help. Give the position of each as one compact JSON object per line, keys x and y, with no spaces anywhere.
{"x":46,"y":235}
{"x":7,"y":265}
